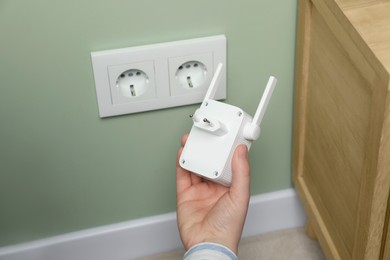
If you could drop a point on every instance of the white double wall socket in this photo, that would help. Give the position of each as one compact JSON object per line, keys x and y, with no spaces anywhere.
{"x":150,"y":77}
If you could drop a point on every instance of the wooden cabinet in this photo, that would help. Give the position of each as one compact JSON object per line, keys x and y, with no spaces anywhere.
{"x":341,"y":146}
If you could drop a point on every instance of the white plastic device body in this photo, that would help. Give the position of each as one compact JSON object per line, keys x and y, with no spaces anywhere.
{"x":218,"y":128}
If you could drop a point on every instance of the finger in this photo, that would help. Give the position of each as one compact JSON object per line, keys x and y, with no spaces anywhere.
{"x":183,"y":177}
{"x":241,"y":173}
{"x":195,"y":179}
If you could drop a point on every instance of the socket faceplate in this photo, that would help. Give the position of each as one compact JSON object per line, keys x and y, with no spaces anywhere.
{"x":160,"y":63}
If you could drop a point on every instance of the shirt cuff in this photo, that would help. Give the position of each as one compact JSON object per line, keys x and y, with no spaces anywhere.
{"x":209,"y":251}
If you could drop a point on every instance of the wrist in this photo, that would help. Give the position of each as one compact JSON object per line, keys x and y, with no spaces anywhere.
{"x":233,"y":247}
{"x":210,"y":250}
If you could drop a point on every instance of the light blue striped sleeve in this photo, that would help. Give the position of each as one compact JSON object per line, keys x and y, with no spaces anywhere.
{"x":208,"y":251}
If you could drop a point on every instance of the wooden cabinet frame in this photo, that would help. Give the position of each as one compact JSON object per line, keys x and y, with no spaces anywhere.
{"x":341,"y":141}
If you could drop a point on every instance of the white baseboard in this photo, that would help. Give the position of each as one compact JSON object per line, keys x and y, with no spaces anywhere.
{"x":136,"y":238}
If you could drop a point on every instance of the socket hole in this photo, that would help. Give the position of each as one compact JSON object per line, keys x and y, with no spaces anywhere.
{"x":130,"y":86}
{"x":132,"y":90}
{"x":194,"y":75}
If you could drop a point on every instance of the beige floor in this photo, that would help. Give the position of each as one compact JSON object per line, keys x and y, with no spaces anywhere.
{"x":291,"y":244}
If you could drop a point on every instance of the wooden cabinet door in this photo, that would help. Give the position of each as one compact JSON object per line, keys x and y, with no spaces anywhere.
{"x":341,"y":148}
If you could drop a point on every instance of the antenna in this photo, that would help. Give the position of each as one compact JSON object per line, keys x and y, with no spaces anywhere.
{"x":214,"y":83}
{"x":264,"y":101}
{"x":252,"y":129}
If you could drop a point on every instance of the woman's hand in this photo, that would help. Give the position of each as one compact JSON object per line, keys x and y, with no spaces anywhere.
{"x":210,"y":212}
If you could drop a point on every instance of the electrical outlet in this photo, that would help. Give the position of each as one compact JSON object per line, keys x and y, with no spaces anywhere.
{"x":190,"y":74}
{"x":156,"y":76}
{"x":131,"y":82}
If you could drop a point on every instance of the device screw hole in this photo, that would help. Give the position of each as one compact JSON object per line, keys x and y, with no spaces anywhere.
{"x":183,"y":161}
{"x":216,"y":173}
{"x":206,"y":104}
{"x":122,"y":75}
{"x":239,"y":113}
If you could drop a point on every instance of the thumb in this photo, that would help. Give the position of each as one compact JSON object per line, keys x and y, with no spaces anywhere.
{"x":241,"y":173}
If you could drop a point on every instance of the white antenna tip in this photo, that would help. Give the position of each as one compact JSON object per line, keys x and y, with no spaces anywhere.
{"x":214,"y":83}
{"x":264,"y":100}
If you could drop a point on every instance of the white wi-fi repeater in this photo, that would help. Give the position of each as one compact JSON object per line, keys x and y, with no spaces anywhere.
{"x":218,"y":128}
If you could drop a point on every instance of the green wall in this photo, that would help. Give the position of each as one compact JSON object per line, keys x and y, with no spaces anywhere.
{"x":62,"y":168}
